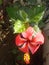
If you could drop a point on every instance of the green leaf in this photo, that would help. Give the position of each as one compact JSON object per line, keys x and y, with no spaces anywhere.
{"x":23,"y":14}
{"x":17,"y":13}
{"x":37,"y":14}
{"x":12,"y":12}
{"x":18,"y":17}
{"x":37,"y":18}
{"x":19,"y":27}
{"x":0,"y":1}
{"x":36,"y":28}
{"x":34,"y":14}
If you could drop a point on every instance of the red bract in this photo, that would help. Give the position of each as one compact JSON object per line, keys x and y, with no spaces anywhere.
{"x":29,"y":40}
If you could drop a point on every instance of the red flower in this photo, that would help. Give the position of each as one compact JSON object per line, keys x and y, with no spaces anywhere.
{"x":29,"y":40}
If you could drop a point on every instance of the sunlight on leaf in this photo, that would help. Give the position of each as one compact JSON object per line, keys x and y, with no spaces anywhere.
{"x":38,"y":17}
{"x":19,"y":27}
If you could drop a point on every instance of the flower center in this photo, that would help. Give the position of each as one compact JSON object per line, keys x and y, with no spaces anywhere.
{"x":28,"y":41}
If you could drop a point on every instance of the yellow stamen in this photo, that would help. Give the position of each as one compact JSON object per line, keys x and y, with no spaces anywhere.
{"x":27,"y":58}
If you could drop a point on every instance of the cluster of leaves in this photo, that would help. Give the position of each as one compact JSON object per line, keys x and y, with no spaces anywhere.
{"x":22,"y":16}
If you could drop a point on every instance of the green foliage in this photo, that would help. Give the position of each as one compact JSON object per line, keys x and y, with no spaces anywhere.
{"x":0,"y":1}
{"x":19,"y":26}
{"x":23,"y":14}
{"x":36,"y":28}
{"x":35,"y":13}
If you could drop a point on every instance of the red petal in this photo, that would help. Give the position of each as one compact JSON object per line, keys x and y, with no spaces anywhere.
{"x":19,"y":41}
{"x":28,"y":33}
{"x":24,"y":48}
{"x":39,"y":39}
{"x":33,"y":48}
{"x":24,"y":34}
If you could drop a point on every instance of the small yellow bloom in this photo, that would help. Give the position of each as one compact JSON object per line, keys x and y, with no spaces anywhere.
{"x":27,"y":58}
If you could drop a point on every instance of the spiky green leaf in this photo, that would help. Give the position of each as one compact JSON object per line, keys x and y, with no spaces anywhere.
{"x":18,"y":27}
